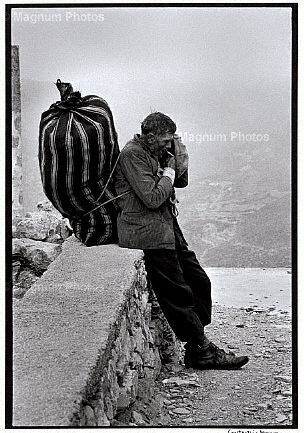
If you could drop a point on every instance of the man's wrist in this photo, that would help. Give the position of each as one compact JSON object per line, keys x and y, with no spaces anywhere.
{"x":170,"y":173}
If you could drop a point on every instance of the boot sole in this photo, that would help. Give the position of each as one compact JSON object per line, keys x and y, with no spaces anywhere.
{"x":218,"y":366}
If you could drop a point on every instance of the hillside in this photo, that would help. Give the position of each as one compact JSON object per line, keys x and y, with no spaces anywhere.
{"x":242,"y":217}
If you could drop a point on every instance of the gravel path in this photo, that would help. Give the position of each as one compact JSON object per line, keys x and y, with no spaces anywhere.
{"x":260,"y":394}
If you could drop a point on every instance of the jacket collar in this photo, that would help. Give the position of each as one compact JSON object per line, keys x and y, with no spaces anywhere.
{"x":141,"y":142}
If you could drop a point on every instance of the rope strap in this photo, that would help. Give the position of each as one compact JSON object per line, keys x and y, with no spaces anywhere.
{"x":106,"y":202}
{"x":104,"y":189}
{"x":111,"y":174}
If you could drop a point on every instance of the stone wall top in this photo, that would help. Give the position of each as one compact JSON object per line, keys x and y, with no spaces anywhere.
{"x":66,"y":316}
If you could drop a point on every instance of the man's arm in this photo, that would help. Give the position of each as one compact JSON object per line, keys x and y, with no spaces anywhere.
{"x":181,"y":166}
{"x":135,"y":167}
{"x":182,"y":181}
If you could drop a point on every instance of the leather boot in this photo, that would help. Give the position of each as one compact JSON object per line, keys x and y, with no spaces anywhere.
{"x":212,"y":357}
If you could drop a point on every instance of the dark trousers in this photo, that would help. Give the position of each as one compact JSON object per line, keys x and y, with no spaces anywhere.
{"x":182,"y":288}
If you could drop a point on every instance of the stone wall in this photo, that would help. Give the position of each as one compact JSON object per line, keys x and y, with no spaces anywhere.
{"x":17,"y":195}
{"x":88,"y":340}
{"x":130,"y":365}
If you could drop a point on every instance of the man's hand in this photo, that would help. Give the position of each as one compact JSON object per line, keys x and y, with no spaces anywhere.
{"x":171,"y":162}
{"x":167,"y":159}
{"x":169,"y":167}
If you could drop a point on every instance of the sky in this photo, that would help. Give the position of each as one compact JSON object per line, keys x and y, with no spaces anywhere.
{"x":196,"y":64}
{"x":214,"y":70}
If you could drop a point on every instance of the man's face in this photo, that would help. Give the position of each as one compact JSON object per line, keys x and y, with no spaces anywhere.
{"x":164,"y":142}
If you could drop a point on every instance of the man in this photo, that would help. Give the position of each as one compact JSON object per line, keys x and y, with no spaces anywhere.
{"x":149,"y":170}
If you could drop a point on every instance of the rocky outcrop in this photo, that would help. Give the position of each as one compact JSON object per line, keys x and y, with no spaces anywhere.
{"x":38,"y":255}
{"x":30,"y":259}
{"x":46,"y":225}
{"x":37,"y":239}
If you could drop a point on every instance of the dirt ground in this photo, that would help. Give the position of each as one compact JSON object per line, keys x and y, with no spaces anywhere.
{"x":260,"y":394}
{"x":251,"y":316}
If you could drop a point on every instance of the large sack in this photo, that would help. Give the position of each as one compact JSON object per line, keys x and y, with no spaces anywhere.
{"x":77,"y":151}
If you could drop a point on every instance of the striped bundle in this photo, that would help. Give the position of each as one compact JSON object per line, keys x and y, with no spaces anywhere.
{"x":77,"y":151}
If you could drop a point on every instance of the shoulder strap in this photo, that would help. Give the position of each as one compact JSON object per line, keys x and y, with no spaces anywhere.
{"x":103,"y":191}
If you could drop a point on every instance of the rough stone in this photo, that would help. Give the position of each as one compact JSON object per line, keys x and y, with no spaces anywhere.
{"x":130,"y":383}
{"x":138,"y":418}
{"x":108,"y":408}
{"x":123,"y":400}
{"x":101,"y":417}
{"x":280,"y":418}
{"x":188,"y":420}
{"x":286,"y":393}
{"x":145,"y":385}
{"x":19,"y":292}
{"x":43,"y":226}
{"x":35,"y":254}
{"x":136,"y":362}
{"x":181,"y":411}
{"x":16,"y":270}
{"x":26,"y":279}
{"x":139,"y":340}
{"x":90,"y":416}
{"x":287,"y":379}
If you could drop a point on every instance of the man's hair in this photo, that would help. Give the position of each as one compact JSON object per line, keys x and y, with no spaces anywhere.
{"x":157,"y":123}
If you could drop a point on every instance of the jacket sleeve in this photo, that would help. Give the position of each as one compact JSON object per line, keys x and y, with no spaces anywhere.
{"x":181,"y":163}
{"x":182,"y":181}
{"x":151,"y":191}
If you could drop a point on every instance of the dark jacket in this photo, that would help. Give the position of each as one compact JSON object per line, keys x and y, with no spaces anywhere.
{"x":145,"y":220}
